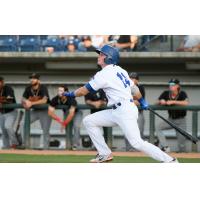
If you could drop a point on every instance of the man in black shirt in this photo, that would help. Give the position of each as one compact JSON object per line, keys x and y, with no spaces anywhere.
{"x":73,"y":113}
{"x":173,"y":96}
{"x":7,"y":116}
{"x":36,"y":94}
{"x":97,"y":99}
{"x":135,"y":78}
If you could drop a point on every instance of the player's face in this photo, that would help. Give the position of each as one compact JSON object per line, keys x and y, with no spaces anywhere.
{"x":60,"y":91}
{"x":34,"y":81}
{"x":173,"y":88}
{"x":101,"y":59}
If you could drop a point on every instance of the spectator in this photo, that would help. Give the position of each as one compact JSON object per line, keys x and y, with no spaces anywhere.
{"x":98,"y":40}
{"x":71,"y":47}
{"x":135,"y":78}
{"x":97,"y":100}
{"x":172,"y":97}
{"x":190,"y":43}
{"x":36,"y":94}
{"x":7,"y":116}
{"x":73,"y":113}
{"x":86,"y":44}
{"x":124,"y":42}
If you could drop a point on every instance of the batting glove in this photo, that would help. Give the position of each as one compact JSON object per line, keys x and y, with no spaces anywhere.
{"x":144,"y":105}
{"x":69,"y":94}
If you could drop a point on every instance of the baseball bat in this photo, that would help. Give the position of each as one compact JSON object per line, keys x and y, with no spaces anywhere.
{"x":181,"y":131}
{"x":18,"y":136}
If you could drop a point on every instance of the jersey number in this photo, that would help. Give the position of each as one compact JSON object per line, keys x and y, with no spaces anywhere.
{"x":123,"y":78}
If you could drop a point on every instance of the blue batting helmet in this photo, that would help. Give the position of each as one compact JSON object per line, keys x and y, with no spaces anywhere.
{"x":112,"y":54}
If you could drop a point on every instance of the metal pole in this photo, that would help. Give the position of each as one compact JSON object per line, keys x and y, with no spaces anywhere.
{"x":27,"y":127}
{"x":171,"y":43}
{"x":68,"y":132}
{"x":194,"y":129}
{"x":151,"y":127}
{"x":108,"y":136}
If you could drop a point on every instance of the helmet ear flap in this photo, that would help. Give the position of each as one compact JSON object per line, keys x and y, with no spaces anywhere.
{"x":108,"y":60}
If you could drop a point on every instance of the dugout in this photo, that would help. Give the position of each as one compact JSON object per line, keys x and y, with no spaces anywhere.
{"x":75,"y":69}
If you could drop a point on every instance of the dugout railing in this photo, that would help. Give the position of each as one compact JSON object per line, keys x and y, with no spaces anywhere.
{"x":68,"y":133}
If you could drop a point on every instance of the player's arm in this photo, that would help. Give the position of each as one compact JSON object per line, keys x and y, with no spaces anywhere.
{"x":178,"y":103}
{"x":51,"y":113}
{"x":82,"y":91}
{"x":136,"y":92}
{"x":39,"y":101}
{"x":70,"y":116}
{"x":138,"y":96}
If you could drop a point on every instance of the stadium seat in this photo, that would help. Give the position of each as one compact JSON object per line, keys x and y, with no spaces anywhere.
{"x":29,"y":44}
{"x":8,"y":43}
{"x":56,"y":43}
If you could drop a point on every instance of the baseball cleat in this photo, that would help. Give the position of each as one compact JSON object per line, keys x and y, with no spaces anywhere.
{"x":102,"y":158}
{"x":174,"y":160}
{"x":165,"y":149}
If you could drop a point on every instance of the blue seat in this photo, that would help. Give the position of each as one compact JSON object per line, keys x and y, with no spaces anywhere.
{"x":56,"y":43}
{"x":29,"y":44}
{"x":8,"y":43}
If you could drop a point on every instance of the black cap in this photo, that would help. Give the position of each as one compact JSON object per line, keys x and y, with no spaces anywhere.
{"x":134,"y":75}
{"x":34,"y":75}
{"x":1,"y":78}
{"x":86,"y":37}
{"x":174,"y":81}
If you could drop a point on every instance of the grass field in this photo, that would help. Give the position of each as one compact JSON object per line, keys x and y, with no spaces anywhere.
{"x":21,"y":158}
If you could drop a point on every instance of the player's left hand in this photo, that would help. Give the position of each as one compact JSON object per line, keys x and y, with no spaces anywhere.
{"x":143,"y":103}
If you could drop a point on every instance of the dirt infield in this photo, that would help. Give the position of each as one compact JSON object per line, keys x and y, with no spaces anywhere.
{"x":66,"y":152}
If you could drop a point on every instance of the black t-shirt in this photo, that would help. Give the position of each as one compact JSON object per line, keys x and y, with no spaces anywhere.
{"x":142,"y":90}
{"x":91,"y":48}
{"x":8,"y":93}
{"x":40,"y":92}
{"x":124,"y":39}
{"x":99,"y":95}
{"x":68,"y":102}
{"x":175,"y":114}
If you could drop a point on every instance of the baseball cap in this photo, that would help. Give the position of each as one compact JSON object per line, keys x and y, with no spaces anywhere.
{"x":134,"y":75}
{"x":34,"y":75}
{"x":1,"y":78}
{"x":71,"y":42}
{"x":86,"y":37}
{"x":174,"y":81}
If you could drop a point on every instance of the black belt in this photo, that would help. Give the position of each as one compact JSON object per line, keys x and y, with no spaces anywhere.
{"x":119,"y":104}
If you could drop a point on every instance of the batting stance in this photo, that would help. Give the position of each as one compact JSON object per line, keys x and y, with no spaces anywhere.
{"x":117,"y":85}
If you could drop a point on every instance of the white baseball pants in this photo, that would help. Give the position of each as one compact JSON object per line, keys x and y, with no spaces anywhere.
{"x":125,"y":116}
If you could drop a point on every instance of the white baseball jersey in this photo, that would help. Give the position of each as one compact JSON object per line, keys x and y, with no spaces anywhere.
{"x":115,"y":82}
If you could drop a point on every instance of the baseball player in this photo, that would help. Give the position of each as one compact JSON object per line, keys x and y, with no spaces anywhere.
{"x":7,"y":116}
{"x":74,"y":114}
{"x":36,"y":94}
{"x":116,"y":83}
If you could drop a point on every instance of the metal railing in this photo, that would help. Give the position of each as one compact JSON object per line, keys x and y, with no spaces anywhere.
{"x":194,"y":108}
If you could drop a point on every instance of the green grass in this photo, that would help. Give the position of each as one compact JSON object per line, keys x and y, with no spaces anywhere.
{"x":16,"y":158}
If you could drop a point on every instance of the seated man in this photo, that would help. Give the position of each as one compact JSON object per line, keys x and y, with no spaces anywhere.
{"x":7,"y":116}
{"x":173,"y":96}
{"x":73,"y":113}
